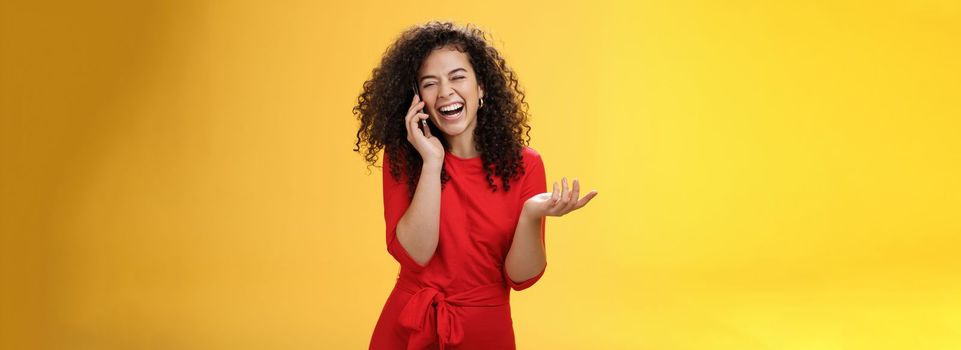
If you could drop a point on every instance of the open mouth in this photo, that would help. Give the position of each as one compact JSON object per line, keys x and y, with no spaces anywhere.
{"x":452,"y":112}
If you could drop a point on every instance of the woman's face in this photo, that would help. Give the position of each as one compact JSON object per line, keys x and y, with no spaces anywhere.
{"x":449,"y":88}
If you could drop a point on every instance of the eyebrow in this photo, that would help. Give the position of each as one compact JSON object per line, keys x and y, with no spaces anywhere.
{"x":448,"y":73}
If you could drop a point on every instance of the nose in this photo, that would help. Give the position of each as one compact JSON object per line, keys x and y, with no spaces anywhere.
{"x":447,"y":89}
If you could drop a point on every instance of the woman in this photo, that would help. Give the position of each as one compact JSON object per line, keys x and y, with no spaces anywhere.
{"x":464,"y":197}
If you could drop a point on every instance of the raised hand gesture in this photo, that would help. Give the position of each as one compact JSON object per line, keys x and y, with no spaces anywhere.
{"x":557,"y":203}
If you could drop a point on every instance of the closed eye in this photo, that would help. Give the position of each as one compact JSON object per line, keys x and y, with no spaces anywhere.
{"x":455,"y":78}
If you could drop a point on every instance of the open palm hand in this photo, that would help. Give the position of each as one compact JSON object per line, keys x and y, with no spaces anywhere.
{"x":559,"y":202}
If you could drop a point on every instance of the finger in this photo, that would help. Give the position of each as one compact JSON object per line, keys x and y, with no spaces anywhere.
{"x":575,"y":194}
{"x":555,"y":196}
{"x":565,"y":193}
{"x":407,"y":126}
{"x":412,"y":126}
{"x":426,"y":127}
{"x":413,"y":103}
{"x":416,"y":100}
{"x":415,"y":107}
{"x":568,"y":201}
{"x":586,"y":199}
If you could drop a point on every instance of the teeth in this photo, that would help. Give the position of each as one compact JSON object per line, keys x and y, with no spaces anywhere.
{"x":451,"y":107}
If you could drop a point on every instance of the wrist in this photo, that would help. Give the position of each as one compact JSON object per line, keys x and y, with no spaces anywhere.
{"x":432,"y":166}
{"x":530,"y":215}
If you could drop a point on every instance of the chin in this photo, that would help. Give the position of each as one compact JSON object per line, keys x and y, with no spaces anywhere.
{"x":453,"y":129}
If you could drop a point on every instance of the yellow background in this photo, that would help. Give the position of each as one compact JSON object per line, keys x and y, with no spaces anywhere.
{"x":772,"y":175}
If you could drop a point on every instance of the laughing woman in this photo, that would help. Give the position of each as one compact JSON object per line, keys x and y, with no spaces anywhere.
{"x":465,"y":198}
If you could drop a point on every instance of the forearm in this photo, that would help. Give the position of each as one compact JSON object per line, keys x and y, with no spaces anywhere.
{"x":527,"y":256}
{"x":418,"y":229}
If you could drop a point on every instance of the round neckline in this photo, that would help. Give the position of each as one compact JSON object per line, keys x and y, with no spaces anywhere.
{"x":462,"y":159}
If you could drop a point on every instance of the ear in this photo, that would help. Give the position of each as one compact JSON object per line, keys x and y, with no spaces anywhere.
{"x":480,"y":92}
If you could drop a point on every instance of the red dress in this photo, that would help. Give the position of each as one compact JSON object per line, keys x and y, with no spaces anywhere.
{"x":461,"y":298}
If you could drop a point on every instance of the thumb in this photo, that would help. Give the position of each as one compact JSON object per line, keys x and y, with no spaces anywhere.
{"x":426,"y":128}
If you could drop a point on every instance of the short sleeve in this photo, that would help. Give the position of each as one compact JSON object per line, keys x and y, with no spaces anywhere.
{"x":396,"y":201}
{"x":534,"y":182}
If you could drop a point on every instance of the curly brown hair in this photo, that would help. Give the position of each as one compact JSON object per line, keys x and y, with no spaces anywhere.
{"x":384,"y":102}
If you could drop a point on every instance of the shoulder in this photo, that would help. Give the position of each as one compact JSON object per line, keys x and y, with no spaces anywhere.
{"x":531,"y":157}
{"x":385,"y":162}
{"x":386,"y":158}
{"x":528,"y":152}
{"x":388,"y":174}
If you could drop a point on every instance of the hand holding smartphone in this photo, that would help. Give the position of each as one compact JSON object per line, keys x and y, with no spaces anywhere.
{"x":429,"y":147}
{"x":423,"y":123}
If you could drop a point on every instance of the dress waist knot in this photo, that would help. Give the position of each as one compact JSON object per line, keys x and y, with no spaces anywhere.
{"x":431,"y":313}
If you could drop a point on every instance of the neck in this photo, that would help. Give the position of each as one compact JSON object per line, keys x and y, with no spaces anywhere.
{"x":462,"y":145}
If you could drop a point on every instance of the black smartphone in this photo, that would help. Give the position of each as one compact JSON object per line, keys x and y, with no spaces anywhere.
{"x":423,"y":123}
